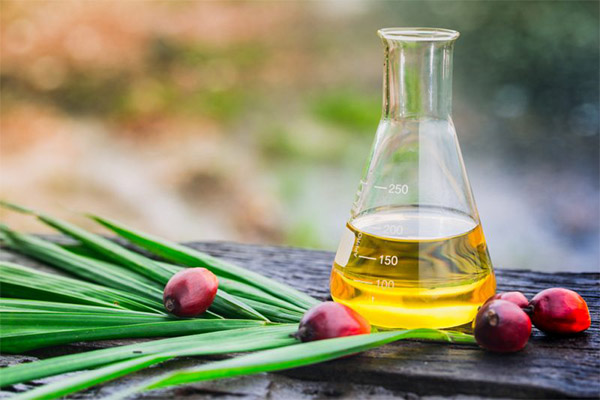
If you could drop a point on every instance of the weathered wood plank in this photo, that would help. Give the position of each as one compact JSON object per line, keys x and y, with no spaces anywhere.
{"x":547,"y":368}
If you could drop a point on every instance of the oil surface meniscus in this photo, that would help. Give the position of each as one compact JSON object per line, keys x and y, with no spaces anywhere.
{"x":413,"y":268}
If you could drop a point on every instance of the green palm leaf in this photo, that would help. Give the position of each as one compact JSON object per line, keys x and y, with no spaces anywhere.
{"x":193,"y":258}
{"x":18,"y":342}
{"x":144,"y":266}
{"x":300,"y":355}
{"x":236,"y":340}
{"x":27,"y":305}
{"x":96,"y":271}
{"x":22,"y":282}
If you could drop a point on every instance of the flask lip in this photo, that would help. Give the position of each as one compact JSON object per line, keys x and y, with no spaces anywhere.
{"x":418,"y":34}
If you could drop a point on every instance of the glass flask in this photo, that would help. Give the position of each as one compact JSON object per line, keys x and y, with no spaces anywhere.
{"x":413,"y":254}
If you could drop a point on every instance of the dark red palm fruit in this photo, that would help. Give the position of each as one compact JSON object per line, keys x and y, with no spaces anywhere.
{"x":190,"y":292}
{"x":502,"y":326}
{"x":559,"y":311}
{"x":330,"y":320}
{"x":514,"y":297}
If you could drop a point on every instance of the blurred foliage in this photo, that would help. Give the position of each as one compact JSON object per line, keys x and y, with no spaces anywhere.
{"x":126,"y":108}
{"x":348,"y":110}
{"x":303,"y":234}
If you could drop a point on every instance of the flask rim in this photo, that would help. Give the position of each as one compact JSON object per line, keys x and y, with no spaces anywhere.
{"x":418,"y":34}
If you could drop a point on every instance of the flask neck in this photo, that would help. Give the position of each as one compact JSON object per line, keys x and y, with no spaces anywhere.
{"x":417,"y":74}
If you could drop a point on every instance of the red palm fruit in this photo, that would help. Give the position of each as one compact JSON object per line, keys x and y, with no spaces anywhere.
{"x":514,"y":297}
{"x":190,"y":292}
{"x":330,"y":320}
{"x":560,"y":311}
{"x":502,"y":326}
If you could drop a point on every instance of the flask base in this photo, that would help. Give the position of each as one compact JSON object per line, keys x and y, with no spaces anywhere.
{"x":411,"y":308}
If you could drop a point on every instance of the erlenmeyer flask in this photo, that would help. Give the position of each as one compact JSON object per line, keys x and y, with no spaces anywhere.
{"x":413,"y":254}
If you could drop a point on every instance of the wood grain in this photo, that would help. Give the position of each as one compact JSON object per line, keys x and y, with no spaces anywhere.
{"x":547,"y":368}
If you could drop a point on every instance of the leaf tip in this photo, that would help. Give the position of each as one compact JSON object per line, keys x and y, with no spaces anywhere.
{"x":16,"y":207}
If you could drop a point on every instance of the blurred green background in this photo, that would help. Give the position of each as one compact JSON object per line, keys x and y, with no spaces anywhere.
{"x":251,"y":121}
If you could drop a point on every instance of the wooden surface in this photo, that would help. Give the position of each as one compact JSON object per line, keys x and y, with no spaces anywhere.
{"x":547,"y":368}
